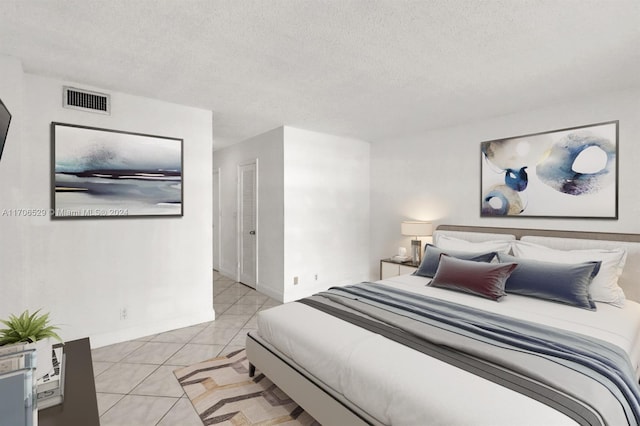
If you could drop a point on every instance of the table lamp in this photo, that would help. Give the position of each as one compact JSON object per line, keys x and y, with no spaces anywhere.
{"x":416,"y":229}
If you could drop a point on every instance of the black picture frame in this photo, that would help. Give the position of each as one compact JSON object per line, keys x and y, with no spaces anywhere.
{"x":5,"y":123}
{"x":106,"y":173}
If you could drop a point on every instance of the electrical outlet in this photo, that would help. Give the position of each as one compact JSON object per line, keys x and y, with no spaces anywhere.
{"x":316,"y":277}
{"x":295,"y":280}
{"x":123,"y":313}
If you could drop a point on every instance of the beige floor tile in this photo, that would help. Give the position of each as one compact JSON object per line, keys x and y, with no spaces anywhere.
{"x":161,"y":382}
{"x":226,"y":298}
{"x":242,"y":310}
{"x":271,"y":302}
{"x":123,"y":377}
{"x":100,"y":366}
{"x":143,"y":368}
{"x":230,"y":321}
{"x":217,"y":291}
{"x":215,"y":336}
{"x":222,"y":284}
{"x":238,"y":291}
{"x":137,"y":410}
{"x":181,"y":335}
{"x":230,"y":348}
{"x":264,"y":308}
{"x":115,"y":353}
{"x":240,"y":338}
{"x":182,"y":413}
{"x":220,"y":308}
{"x":252,"y":323}
{"x":145,"y":338}
{"x":227,"y":320}
{"x":106,"y":401}
{"x":153,"y":352}
{"x":193,"y":353}
{"x":253,"y":299}
{"x":203,"y":324}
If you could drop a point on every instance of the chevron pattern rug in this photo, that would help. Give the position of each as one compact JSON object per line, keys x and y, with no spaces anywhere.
{"x":223,"y":394}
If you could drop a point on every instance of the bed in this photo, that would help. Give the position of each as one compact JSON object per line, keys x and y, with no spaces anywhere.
{"x":345,"y":369}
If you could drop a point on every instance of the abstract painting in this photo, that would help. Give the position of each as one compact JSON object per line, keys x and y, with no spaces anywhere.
{"x":109,"y":173}
{"x":567,"y":173}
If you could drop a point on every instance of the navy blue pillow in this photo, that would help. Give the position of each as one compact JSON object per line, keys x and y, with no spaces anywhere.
{"x":429,"y":264}
{"x":559,"y":282}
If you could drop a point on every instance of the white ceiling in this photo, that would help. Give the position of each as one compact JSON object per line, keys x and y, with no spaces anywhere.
{"x":369,"y":69}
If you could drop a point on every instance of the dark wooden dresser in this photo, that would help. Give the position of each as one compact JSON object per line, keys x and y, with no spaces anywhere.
{"x":80,"y":406}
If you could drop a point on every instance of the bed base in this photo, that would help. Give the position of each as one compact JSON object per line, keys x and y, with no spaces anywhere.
{"x":317,"y":399}
{"x":330,"y":408}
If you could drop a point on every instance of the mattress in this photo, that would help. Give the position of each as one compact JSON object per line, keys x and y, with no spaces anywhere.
{"x":400,"y":386}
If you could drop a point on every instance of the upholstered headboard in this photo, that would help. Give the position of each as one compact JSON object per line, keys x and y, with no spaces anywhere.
{"x":568,"y":240}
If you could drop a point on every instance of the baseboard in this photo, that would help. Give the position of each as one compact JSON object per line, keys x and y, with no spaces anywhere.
{"x":154,"y":327}
{"x":274,"y":294}
{"x":228,"y":274}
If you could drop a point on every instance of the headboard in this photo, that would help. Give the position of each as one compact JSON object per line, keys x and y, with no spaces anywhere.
{"x":630,"y":278}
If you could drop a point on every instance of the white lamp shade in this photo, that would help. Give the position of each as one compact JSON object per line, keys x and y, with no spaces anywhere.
{"x":416,"y":228}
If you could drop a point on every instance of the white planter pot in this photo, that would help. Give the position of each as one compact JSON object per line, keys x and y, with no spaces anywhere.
{"x":44,"y":361}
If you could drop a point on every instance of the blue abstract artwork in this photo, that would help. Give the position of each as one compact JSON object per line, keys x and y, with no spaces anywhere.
{"x":570,"y":172}
{"x":108,"y":173}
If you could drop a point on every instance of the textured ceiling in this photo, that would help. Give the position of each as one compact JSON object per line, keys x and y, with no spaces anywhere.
{"x":369,"y":69}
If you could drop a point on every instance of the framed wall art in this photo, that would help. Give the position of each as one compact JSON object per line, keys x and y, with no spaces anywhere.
{"x":115,"y":174}
{"x":566,"y":173}
{"x":5,"y":121}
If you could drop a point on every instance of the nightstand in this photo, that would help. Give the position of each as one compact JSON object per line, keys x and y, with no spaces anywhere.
{"x":389,"y":268}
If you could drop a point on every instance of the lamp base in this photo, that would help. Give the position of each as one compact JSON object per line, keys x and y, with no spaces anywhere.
{"x":416,"y":251}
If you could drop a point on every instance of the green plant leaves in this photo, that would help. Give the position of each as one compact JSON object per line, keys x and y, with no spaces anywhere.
{"x":27,"y":328}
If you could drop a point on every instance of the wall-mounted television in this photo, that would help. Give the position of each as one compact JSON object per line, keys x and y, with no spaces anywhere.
{"x":5,"y":119}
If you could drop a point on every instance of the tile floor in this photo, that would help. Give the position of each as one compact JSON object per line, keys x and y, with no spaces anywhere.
{"x":135,"y":384}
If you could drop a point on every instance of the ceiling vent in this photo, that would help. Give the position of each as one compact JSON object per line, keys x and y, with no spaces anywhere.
{"x":86,"y":100}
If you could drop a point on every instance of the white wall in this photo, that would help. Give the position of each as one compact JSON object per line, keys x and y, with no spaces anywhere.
{"x":435,"y":175}
{"x":267,"y":148}
{"x":313,"y":210}
{"x":13,"y":291}
{"x":326,"y":194}
{"x":85,"y":271}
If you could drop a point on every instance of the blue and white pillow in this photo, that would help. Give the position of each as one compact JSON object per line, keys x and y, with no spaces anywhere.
{"x":558,"y":282}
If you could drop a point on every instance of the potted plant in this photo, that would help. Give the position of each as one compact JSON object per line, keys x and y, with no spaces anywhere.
{"x":30,"y":329}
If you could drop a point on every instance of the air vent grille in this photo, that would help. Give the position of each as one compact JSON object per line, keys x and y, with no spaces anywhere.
{"x":86,"y":100}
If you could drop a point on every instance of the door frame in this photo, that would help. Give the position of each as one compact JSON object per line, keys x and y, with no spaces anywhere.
{"x":239,"y":218}
{"x":217,"y":217}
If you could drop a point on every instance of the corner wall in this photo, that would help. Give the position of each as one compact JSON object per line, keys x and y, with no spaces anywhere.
{"x":13,"y":291}
{"x":435,"y":175}
{"x":85,"y":271}
{"x":313,"y":210}
{"x":267,"y":148}
{"x":326,"y":194}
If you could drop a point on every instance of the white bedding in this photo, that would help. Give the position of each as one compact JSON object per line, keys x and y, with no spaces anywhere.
{"x":421,"y":390}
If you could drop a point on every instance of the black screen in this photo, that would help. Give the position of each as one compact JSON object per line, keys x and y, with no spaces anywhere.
{"x":5,"y":119}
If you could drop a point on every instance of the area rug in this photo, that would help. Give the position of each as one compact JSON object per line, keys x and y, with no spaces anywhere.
{"x":222,"y":393}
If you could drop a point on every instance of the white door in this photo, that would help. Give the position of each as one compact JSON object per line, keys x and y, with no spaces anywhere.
{"x":216,"y":219}
{"x":247,"y":220}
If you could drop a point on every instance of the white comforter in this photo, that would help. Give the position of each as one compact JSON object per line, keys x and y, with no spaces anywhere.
{"x":401,"y":386}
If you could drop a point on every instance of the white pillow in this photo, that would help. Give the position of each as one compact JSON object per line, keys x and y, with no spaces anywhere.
{"x":604,"y":287}
{"x":449,"y":243}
